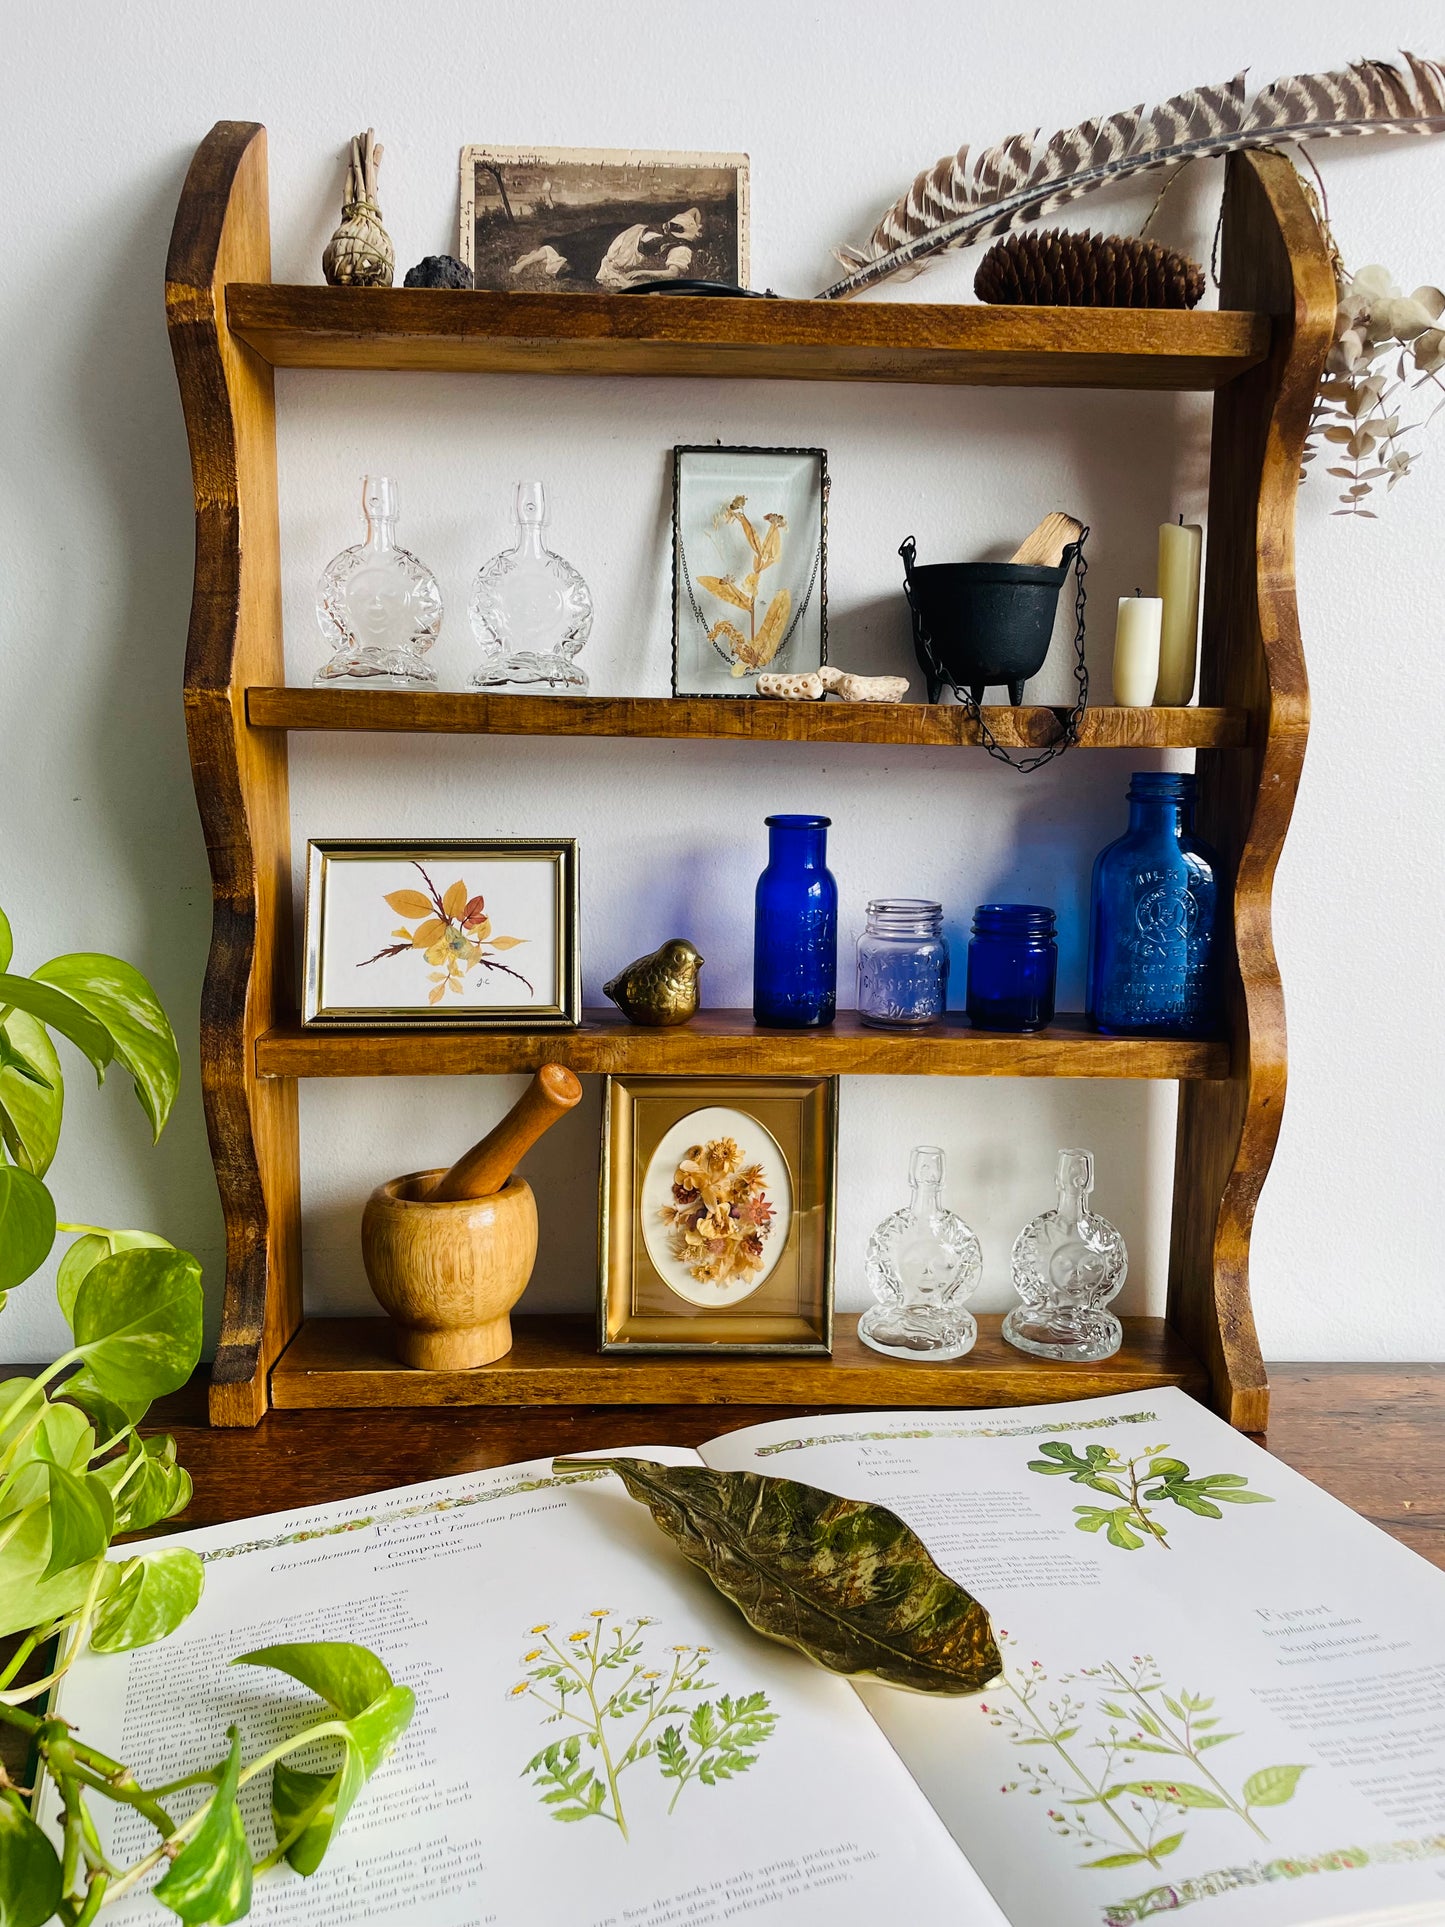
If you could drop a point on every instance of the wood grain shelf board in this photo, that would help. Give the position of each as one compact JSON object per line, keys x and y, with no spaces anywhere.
{"x":348,"y":1362}
{"x":728,"y":1043}
{"x":922,"y":725}
{"x":598,"y":334}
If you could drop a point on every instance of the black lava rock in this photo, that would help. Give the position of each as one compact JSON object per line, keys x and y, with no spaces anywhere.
{"x":439,"y":271}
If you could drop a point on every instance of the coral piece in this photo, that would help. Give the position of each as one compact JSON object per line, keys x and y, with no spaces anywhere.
{"x":807,"y":688}
{"x":360,"y":254}
{"x":1062,"y":270}
{"x":863,"y":689}
{"x":439,"y":271}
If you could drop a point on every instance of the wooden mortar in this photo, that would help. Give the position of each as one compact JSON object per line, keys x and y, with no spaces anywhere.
{"x":448,"y":1274}
{"x":449,"y":1253}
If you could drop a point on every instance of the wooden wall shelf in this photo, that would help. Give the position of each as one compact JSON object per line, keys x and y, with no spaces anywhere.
{"x":230,"y":327}
{"x":727,"y":1043}
{"x":923,"y":725}
{"x":339,"y":1362}
{"x":607,"y":334}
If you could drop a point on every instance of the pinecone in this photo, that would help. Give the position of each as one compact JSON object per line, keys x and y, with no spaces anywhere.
{"x":1064,"y":270}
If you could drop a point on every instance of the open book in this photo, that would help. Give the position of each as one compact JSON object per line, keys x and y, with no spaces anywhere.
{"x":1223,"y":1694}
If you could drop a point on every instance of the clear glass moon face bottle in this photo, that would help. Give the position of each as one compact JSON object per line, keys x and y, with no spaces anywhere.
{"x":1067,"y":1265}
{"x":923,"y":1264}
{"x":379,"y":608}
{"x":531,"y":611}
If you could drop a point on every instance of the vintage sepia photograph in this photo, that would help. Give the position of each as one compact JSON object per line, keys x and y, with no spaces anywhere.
{"x":605,"y":219}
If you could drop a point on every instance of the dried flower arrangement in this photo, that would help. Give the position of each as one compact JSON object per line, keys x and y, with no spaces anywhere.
{"x":758,"y":647}
{"x":1388,"y":346}
{"x":720,"y":1216}
{"x":454,"y":935}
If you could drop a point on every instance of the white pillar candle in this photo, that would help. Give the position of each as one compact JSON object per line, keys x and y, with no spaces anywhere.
{"x":1180,"y":544}
{"x":1136,"y":650}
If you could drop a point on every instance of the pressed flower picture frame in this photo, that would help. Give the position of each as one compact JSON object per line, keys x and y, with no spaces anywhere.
{"x":461,"y":933}
{"x":717,"y":1214}
{"x":750,"y":566}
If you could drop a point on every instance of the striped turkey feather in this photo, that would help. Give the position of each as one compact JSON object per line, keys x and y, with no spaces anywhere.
{"x":966,"y":198}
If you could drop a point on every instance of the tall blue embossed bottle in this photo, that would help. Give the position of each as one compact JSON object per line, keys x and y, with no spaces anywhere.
{"x":1152,"y":968}
{"x":795,"y":929}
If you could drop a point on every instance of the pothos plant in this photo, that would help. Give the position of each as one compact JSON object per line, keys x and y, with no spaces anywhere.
{"x":75,"y":1473}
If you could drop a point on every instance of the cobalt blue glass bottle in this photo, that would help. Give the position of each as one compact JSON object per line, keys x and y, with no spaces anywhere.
{"x":795,"y":930}
{"x":1013,"y":961}
{"x":1151,"y":938}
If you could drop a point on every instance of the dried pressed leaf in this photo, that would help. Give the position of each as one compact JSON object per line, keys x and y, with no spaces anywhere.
{"x":729,"y":634}
{"x":428,"y":933}
{"x":770,"y":635}
{"x":454,"y":898}
{"x":506,"y":943}
{"x":410,"y":903}
{"x":726,"y":590}
{"x":472,"y":914}
{"x":845,"y":1582}
{"x":772,"y":548}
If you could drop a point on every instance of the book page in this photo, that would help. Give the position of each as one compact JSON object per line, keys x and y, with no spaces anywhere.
{"x":1222,"y":1691}
{"x":599,"y":1741}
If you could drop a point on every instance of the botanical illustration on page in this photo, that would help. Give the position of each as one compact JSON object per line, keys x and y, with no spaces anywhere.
{"x":1148,"y":1479}
{"x":616,"y":1694}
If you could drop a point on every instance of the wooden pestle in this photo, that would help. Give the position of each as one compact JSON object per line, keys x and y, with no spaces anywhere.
{"x":487,"y":1166}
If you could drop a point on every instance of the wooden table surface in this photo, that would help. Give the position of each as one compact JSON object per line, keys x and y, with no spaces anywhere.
{"x":1374,"y":1435}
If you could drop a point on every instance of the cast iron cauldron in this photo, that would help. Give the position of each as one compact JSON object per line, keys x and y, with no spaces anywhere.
{"x":977,"y":623}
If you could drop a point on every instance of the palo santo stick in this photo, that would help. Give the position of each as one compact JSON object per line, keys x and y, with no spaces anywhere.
{"x":1044,"y":549}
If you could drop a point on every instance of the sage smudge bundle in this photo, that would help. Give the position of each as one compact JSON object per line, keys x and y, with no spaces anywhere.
{"x":845,"y":1582}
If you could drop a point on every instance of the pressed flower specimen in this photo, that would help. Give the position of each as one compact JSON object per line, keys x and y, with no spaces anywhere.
{"x":599,"y":1681}
{"x":453,"y":932}
{"x":767,"y":619}
{"x":720,"y":1216}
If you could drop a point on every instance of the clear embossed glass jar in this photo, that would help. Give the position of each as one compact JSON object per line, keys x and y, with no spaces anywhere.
{"x":902,"y":964}
{"x":1152,"y":969}
{"x":379,"y":608}
{"x":795,"y":927}
{"x":1067,"y":1265}
{"x":531,"y":611}
{"x":923,"y":1264}
{"x":1013,"y":962}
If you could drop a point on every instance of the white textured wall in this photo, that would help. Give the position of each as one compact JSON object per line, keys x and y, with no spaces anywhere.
{"x":838,"y":106}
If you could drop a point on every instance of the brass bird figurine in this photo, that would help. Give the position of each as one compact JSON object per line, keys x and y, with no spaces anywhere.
{"x":661,"y":989}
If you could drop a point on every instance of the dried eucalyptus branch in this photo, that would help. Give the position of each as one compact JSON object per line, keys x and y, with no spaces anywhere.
{"x":1389,"y":347}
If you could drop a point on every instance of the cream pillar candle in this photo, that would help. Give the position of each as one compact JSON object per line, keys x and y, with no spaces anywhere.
{"x":1180,"y":544}
{"x":1136,"y":650}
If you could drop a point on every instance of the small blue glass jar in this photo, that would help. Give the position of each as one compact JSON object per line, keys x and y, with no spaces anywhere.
{"x":1152,"y":969}
{"x":1013,"y":963}
{"x":902,"y":964}
{"x":795,"y":927}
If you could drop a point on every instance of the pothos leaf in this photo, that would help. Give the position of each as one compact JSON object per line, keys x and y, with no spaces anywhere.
{"x":118,"y":996}
{"x":27,"y":1225}
{"x":156,"y":1593}
{"x":347,"y":1677}
{"x":210,"y":1879}
{"x":32,"y":1092}
{"x":30,"y":1884}
{"x":845,"y":1582}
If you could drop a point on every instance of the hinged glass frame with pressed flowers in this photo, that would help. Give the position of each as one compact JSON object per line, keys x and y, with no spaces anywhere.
{"x":750,"y":566}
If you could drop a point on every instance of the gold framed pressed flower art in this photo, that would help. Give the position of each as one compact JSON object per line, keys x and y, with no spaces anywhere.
{"x":453,"y":932}
{"x":717,"y":1214}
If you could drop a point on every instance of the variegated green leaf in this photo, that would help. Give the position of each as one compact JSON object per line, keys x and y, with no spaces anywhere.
{"x":844,"y":1581}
